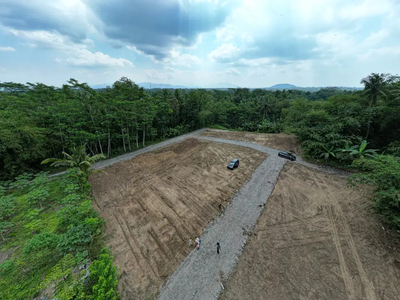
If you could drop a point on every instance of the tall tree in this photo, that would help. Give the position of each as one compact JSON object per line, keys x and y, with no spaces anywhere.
{"x":374,"y":86}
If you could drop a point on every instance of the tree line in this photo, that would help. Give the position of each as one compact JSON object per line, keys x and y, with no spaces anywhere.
{"x":38,"y":121}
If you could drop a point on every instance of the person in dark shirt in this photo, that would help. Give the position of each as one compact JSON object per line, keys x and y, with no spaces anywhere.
{"x":218,"y":247}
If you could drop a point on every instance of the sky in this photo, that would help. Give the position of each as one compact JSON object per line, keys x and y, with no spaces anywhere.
{"x":248,"y":43}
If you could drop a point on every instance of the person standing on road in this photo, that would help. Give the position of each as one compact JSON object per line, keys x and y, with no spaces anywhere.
{"x":218,"y":247}
{"x":197,"y":243}
{"x":190,"y":241}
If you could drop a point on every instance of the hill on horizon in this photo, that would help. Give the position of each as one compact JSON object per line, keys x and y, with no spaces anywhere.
{"x":226,"y":85}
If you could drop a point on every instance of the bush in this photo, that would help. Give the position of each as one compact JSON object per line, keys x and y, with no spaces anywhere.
{"x":384,"y":173}
{"x":39,"y":195}
{"x":103,"y":277}
{"x":7,"y":206}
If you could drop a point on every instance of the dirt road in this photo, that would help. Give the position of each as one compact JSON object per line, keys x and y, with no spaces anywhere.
{"x":316,"y":239}
{"x":279,"y":141}
{"x":156,"y":201}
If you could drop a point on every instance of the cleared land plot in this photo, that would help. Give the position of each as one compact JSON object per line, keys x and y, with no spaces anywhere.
{"x":316,"y":239}
{"x":279,"y":141}
{"x":156,"y":201}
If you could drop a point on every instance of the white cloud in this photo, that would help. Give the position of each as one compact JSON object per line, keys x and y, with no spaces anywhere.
{"x":175,"y":58}
{"x":367,"y":8}
{"x":48,"y":40}
{"x":157,"y":75}
{"x":137,"y":51}
{"x":224,"y":53}
{"x":225,"y":34}
{"x":253,"y":62}
{"x":72,"y":18}
{"x":85,"y":58}
{"x":231,"y":71}
{"x":79,"y":56}
{"x":7,"y":49}
{"x":384,"y":52}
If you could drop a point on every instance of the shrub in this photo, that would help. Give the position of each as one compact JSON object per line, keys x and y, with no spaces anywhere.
{"x":384,"y":173}
{"x":39,"y":195}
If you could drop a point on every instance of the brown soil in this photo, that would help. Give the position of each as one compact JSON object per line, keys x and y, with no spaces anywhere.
{"x":279,"y":141}
{"x":153,"y":204}
{"x":316,"y":239}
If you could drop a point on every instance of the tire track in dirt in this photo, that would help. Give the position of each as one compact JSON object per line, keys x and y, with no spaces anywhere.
{"x":336,"y":210}
{"x":347,"y":279}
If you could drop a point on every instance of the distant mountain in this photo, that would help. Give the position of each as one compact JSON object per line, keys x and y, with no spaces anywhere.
{"x":150,"y":85}
{"x":287,"y":86}
{"x":283,"y":86}
{"x":221,"y":85}
{"x":100,"y":86}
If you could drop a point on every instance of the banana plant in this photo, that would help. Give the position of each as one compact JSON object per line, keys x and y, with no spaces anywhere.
{"x":360,"y":151}
{"x":328,"y":152}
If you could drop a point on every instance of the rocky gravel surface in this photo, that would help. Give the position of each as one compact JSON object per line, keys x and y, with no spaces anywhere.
{"x":201,"y":274}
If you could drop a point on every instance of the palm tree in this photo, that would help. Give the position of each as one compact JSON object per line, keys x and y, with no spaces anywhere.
{"x":77,"y":159}
{"x":374,"y":86}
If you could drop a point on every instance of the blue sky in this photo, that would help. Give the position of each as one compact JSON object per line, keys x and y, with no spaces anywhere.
{"x":249,"y":43}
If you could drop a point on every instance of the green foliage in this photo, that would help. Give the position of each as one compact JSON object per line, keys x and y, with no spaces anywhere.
{"x":7,"y":206}
{"x":38,"y":196}
{"x":66,"y":281}
{"x":361,"y":151}
{"x":51,"y":241}
{"x":103,"y":277}
{"x":77,"y":159}
{"x":4,"y":228}
{"x":75,"y":239}
{"x":384,"y":173}
{"x":394,"y":148}
{"x":71,"y":199}
{"x":21,"y":182}
{"x":43,"y":243}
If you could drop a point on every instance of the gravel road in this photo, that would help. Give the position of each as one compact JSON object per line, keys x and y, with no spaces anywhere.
{"x":200,"y":274}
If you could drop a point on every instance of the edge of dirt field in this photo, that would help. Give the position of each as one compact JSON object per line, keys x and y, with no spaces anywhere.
{"x":362,"y":255}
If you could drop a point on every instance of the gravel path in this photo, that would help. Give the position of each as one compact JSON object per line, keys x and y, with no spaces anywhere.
{"x":200,"y":274}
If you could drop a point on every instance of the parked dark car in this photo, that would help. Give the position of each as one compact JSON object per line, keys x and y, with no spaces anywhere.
{"x":287,"y":155}
{"x":233,"y":164}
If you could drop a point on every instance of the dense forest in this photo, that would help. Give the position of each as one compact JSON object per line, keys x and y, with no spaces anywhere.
{"x":38,"y":121}
{"x":50,"y":223}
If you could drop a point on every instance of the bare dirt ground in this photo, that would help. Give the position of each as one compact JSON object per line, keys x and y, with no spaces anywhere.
{"x":279,"y":141}
{"x":153,"y":204}
{"x":316,"y":239}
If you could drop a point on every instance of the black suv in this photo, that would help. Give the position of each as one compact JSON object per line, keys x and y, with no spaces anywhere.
{"x":233,"y":164}
{"x":287,"y":155}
